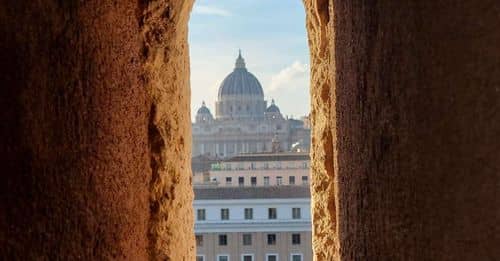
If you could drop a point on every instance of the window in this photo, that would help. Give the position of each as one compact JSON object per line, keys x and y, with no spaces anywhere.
{"x":222,"y":258}
{"x":279,"y":180}
{"x":248,"y":213}
{"x":266,"y":165}
{"x":223,"y":240}
{"x":271,"y":257}
{"x":200,"y":258}
{"x":295,"y":239}
{"x":266,"y":181}
{"x":271,"y":239}
{"x":247,"y":257}
{"x":241,"y":181}
{"x":304,"y":165}
{"x":224,"y":213}
{"x":296,"y":257}
{"x":229,"y":180}
{"x":272,"y":213}
{"x":253,"y":180}
{"x":305,"y":180}
{"x":291,"y":180}
{"x":200,"y":214}
{"x":199,"y":240}
{"x":252,"y":165}
{"x":296,"y":213}
{"x":278,"y":165}
{"x":247,"y":239}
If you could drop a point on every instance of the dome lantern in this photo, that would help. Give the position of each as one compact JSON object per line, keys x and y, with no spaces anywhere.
{"x":240,"y":62}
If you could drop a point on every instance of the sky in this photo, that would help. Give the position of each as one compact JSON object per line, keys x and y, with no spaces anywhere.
{"x":272,"y":37}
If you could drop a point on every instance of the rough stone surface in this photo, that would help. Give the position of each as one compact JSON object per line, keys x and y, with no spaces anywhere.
{"x":323,"y":181}
{"x":94,"y":159}
{"x":405,"y":140}
{"x":164,"y":27}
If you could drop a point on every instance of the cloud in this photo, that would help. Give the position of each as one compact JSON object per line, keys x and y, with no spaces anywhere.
{"x":289,"y":76}
{"x":210,"y":10}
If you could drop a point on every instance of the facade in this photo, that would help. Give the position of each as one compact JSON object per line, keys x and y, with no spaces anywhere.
{"x":243,"y":122}
{"x":261,"y":169}
{"x":270,"y":223}
{"x":254,"y":207}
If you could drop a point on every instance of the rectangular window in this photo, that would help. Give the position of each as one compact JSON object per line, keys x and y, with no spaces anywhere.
{"x":241,"y":181}
{"x":305,"y":180}
{"x":200,"y":258}
{"x":296,"y":213}
{"x":266,"y":165}
{"x":199,"y":240}
{"x":296,"y":257}
{"x":271,"y":257}
{"x":304,"y":165}
{"x":247,"y":258}
{"x":271,"y":239}
{"x":224,"y":213}
{"x":272,"y":213}
{"x":248,"y":213}
{"x":222,"y":258}
{"x":253,"y":180}
{"x":266,"y":181}
{"x":223,"y":240}
{"x":252,"y":165}
{"x":247,"y":239}
{"x":229,"y":180}
{"x":291,"y":180}
{"x":279,"y":180}
{"x":295,"y":239}
{"x":200,"y":214}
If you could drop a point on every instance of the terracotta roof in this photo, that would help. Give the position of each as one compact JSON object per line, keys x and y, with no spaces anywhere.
{"x":296,"y":191}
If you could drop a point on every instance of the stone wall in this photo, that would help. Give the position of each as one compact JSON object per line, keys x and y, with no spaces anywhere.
{"x":95,"y":134}
{"x":405,"y":138}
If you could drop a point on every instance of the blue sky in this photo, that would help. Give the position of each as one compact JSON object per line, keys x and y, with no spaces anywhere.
{"x":273,"y":40}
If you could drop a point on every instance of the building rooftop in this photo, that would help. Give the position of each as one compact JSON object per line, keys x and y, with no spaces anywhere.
{"x":294,"y":191}
{"x":292,"y":156}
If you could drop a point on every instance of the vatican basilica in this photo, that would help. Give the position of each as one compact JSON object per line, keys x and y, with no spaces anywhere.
{"x":244,"y":123}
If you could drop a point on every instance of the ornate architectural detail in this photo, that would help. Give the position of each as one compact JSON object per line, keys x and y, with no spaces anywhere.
{"x":243,"y":122}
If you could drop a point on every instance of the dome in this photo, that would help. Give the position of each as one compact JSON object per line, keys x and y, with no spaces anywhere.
{"x":273,"y":108}
{"x":203,"y":109}
{"x":240,"y":82}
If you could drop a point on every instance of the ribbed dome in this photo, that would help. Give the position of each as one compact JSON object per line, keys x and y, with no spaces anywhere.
{"x":273,"y":107}
{"x":240,"y":82}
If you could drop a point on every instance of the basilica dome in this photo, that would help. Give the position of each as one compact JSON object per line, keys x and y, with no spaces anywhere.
{"x":240,"y":82}
{"x":273,"y":108}
{"x":203,"y":114}
{"x":203,"y":109}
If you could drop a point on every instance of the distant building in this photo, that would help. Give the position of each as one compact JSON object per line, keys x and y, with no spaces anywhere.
{"x":261,"y":169}
{"x":270,"y":223}
{"x":243,"y":121}
{"x":254,"y":207}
